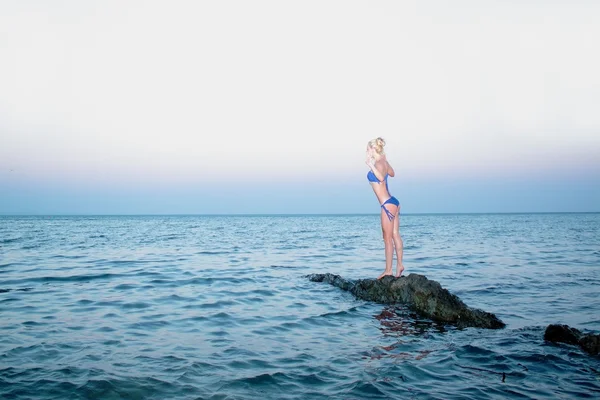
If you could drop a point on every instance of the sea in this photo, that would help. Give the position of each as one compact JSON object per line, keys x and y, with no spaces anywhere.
{"x":220,"y":307}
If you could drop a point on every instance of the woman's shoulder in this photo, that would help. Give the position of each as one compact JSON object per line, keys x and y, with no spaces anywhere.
{"x":385,"y":163}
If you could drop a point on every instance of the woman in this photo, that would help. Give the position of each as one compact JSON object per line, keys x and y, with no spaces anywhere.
{"x":390,"y":206}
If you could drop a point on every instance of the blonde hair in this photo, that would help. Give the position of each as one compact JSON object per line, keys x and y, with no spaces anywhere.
{"x":377,"y":144}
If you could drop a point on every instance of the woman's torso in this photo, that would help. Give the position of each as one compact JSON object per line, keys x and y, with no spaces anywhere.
{"x":380,"y":188}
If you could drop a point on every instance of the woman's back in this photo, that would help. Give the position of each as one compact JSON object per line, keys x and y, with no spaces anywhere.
{"x":385,"y":169}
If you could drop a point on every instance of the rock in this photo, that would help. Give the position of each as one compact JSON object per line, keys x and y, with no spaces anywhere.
{"x":590,"y":343}
{"x":422,"y":295}
{"x":562,"y":333}
{"x":565,"y":334}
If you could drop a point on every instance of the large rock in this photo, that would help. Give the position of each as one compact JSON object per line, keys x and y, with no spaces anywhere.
{"x":424,"y":296}
{"x":565,"y":334}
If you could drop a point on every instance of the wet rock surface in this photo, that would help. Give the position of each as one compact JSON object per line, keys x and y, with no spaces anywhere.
{"x":424,"y":296}
{"x":566,"y":334}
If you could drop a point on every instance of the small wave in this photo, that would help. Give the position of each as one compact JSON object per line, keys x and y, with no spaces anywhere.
{"x":303,"y":231}
{"x":125,"y":286}
{"x":264,"y":379}
{"x":275,"y":330}
{"x":176,"y":298}
{"x":317,"y":320}
{"x":472,"y":350}
{"x":105,"y":329}
{"x":198,"y":318}
{"x":263,"y":292}
{"x":340,"y":313}
{"x":222,"y":315}
{"x":169,"y":237}
{"x":297,"y":305}
{"x":299,"y":358}
{"x":338,"y":246}
{"x":141,"y":272}
{"x":10,"y":240}
{"x":362,"y":389}
{"x":293,"y":247}
{"x":217,"y":304}
{"x":149,"y":325}
{"x":250,"y":364}
{"x":211,"y":280}
{"x":34,"y":323}
{"x":136,"y":305}
{"x":67,"y":257}
{"x":285,"y":267}
{"x":126,"y":262}
{"x":71,"y":278}
{"x":76,"y":328}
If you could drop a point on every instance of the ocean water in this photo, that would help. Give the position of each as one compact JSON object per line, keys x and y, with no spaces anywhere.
{"x":219,"y":307}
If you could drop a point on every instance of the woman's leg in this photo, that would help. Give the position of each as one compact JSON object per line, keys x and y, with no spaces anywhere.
{"x":398,"y":244}
{"x":387,"y":227}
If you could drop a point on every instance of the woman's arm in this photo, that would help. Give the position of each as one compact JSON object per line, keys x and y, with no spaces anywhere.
{"x":391,"y":170}
{"x":375,"y":170}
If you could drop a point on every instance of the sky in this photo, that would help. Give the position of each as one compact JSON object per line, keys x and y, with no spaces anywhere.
{"x":187,"y":107}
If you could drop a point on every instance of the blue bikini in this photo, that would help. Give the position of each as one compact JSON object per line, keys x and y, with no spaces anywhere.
{"x":392,"y":200}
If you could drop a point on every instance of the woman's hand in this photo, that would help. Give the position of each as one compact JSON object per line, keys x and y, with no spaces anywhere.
{"x":369,"y":160}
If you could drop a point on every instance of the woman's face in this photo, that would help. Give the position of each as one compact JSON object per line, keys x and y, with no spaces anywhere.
{"x":370,"y":151}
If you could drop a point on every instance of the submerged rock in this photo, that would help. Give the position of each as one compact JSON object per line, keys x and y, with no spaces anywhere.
{"x":424,"y":296}
{"x":565,"y":334}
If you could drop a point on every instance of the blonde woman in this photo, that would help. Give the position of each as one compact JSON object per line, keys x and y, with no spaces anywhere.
{"x":380,"y":169}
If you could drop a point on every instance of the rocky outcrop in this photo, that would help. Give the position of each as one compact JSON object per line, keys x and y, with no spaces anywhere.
{"x":565,"y":334}
{"x":422,"y":295}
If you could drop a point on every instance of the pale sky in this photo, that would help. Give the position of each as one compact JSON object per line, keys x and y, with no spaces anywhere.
{"x":184,"y":106}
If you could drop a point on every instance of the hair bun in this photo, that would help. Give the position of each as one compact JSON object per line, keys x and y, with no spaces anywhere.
{"x":377,"y":144}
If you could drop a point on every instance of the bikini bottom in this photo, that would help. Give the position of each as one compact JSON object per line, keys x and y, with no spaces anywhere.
{"x":391,"y":200}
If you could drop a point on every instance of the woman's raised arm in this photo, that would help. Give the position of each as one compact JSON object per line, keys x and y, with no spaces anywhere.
{"x":391,"y":170}
{"x":378,"y":174}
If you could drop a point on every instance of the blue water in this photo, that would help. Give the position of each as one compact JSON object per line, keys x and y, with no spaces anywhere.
{"x":194,"y":307}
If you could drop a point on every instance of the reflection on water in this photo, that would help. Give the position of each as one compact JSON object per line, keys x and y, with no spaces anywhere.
{"x":399,"y":321}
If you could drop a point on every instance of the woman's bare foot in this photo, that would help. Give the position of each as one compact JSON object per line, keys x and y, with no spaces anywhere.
{"x":399,"y":270}
{"x":385,"y":273}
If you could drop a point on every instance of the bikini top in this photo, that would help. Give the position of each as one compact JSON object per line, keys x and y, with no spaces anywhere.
{"x":372,"y":178}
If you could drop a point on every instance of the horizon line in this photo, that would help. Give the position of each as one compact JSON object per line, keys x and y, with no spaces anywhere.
{"x":287,"y":214}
